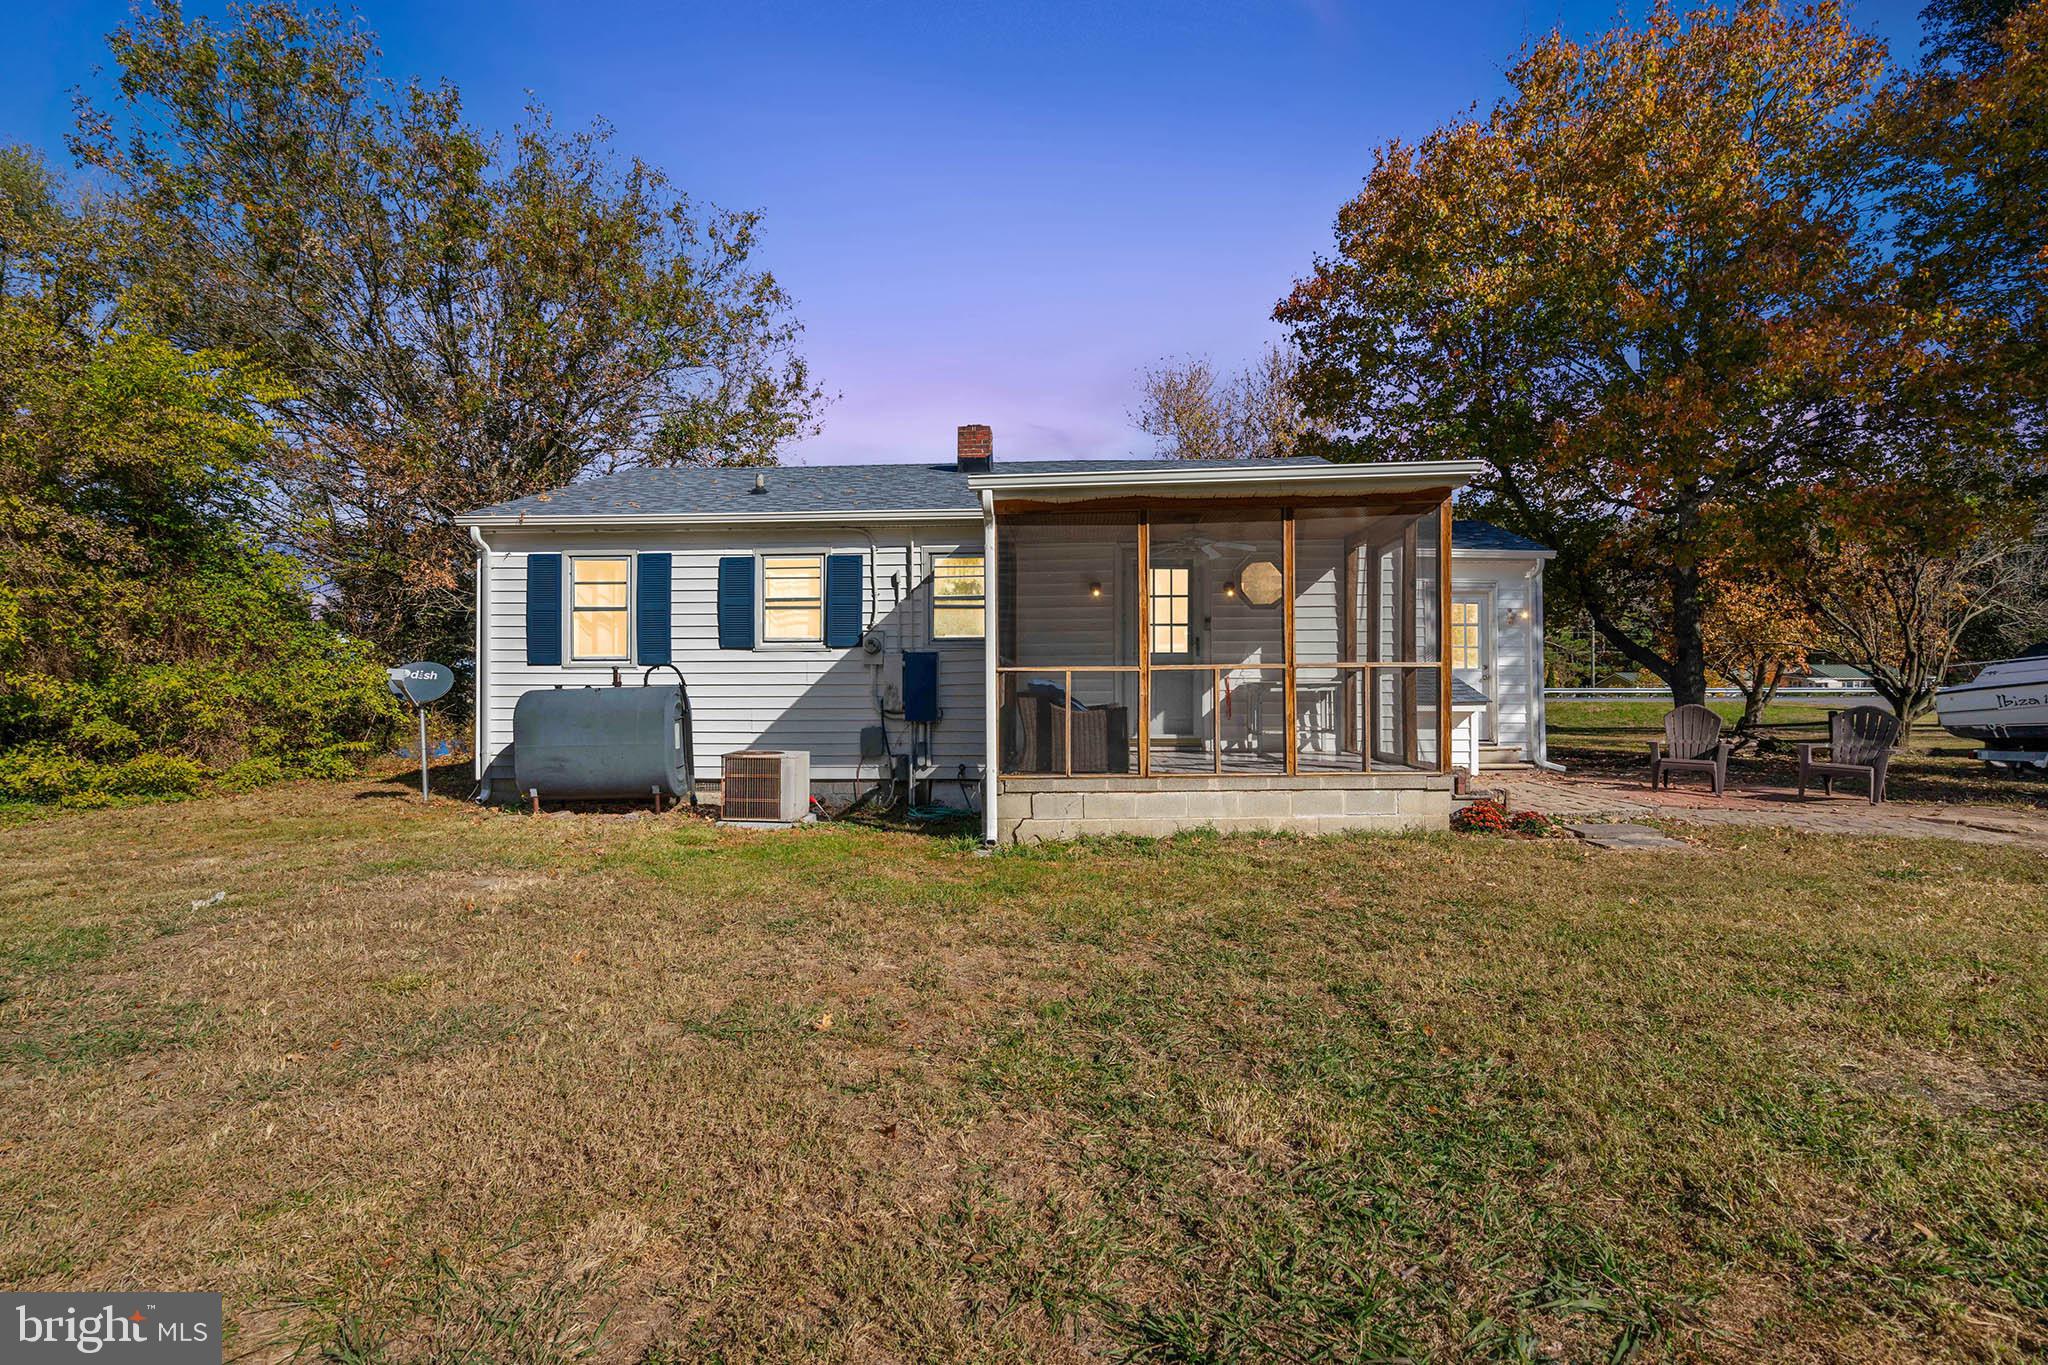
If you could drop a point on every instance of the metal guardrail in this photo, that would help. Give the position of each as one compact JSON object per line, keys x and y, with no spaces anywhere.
{"x":1724,"y":693}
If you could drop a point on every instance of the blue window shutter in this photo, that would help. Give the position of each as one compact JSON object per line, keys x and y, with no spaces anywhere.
{"x":736,"y":602}
{"x":842,"y":600}
{"x":653,"y":607}
{"x":544,"y":610}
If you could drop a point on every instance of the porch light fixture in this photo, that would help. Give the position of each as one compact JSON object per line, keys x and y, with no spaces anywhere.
{"x":1095,"y":590}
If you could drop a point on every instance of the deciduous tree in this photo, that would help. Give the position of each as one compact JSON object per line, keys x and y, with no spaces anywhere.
{"x":1969,"y":190}
{"x":456,"y":318}
{"x":145,"y":634}
{"x":1756,"y":634}
{"x":1193,"y":414}
{"x":1900,"y":616}
{"x":1644,"y":288}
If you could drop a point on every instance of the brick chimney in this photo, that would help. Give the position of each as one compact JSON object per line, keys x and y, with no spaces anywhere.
{"x":976,"y":451}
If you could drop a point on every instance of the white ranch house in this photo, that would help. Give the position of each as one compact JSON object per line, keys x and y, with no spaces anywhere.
{"x":1283,"y":665}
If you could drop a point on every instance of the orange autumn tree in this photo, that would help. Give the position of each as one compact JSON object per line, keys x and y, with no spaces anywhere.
{"x":1646,"y":289}
{"x":1756,"y":634}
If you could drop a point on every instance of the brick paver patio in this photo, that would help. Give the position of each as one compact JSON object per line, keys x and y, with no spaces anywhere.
{"x":1577,"y":797}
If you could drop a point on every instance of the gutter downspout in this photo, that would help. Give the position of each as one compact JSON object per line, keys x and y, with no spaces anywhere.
{"x":1539,"y":737}
{"x":482,"y":699}
{"x":991,"y":646}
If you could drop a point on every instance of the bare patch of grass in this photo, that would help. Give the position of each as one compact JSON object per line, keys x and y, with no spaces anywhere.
{"x":432,"y":1311}
{"x":1956,"y":1085}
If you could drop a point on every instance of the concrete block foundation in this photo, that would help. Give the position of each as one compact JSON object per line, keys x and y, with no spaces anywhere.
{"x":1035,"y":809}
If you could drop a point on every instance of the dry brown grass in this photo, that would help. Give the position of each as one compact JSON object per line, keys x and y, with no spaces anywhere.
{"x":435,"y":1081}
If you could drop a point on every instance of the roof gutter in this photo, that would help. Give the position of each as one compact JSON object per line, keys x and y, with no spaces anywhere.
{"x":1482,"y":552}
{"x":1418,"y":473}
{"x":607,"y":520}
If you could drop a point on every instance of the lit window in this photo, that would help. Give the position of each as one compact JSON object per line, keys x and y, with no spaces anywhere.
{"x":959,"y":597}
{"x":793,"y":599}
{"x":1465,"y":635}
{"x":597,"y":609}
{"x":1170,"y":631}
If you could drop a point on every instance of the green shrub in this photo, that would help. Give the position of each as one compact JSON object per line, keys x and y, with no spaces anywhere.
{"x":43,"y":772}
{"x":147,"y":634}
{"x":250,"y":774}
{"x":330,"y":764}
{"x":152,"y":775}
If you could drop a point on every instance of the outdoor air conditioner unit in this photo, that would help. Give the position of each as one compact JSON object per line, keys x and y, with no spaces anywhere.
{"x":767,"y":786}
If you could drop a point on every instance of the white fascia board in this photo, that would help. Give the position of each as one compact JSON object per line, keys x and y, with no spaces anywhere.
{"x":605,"y":520}
{"x":1397,"y":474}
{"x":1476,"y":552}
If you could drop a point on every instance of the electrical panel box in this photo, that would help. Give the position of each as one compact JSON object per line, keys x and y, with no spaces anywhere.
{"x":874,"y":742}
{"x":920,"y":685}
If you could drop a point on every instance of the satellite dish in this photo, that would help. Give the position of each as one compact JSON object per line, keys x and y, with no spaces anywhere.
{"x":421,"y":683}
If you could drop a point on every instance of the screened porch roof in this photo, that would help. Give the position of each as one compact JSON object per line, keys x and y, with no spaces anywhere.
{"x":1307,"y":477}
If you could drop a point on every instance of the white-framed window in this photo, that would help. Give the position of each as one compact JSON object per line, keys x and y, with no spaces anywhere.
{"x":793,"y":599}
{"x":600,"y":611}
{"x":1172,"y":601}
{"x":959,"y":596}
{"x":1465,"y":637}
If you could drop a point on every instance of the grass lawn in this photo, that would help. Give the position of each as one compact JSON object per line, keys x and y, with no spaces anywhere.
{"x":434,"y":1081}
{"x":1612,"y":737}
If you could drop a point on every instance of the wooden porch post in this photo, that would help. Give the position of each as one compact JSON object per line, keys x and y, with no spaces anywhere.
{"x":1443,"y":626}
{"x":1409,"y":607}
{"x":1347,"y":648}
{"x":1287,"y":632}
{"x":1144,"y":644}
{"x":991,"y":685}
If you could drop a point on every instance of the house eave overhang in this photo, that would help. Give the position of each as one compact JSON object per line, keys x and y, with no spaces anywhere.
{"x":1170,"y":480}
{"x":603,"y":521}
{"x":1481,"y":552}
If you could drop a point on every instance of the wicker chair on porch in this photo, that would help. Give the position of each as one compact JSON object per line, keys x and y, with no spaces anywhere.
{"x":1035,"y":736}
{"x":1860,"y":742}
{"x":1692,"y":743}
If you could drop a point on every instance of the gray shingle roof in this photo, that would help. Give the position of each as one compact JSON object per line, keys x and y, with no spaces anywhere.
{"x":797,"y":489}
{"x":1483,"y":535}
{"x":793,"y":489}
{"x":853,"y":489}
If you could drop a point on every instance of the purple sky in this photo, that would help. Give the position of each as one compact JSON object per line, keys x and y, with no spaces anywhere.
{"x":987,"y":212}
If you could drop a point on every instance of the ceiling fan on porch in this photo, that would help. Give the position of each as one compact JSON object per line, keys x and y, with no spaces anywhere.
{"x":1214,"y":549}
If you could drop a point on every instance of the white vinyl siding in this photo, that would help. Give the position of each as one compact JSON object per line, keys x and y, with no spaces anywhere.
{"x":816,"y":699}
{"x":1513,"y":688}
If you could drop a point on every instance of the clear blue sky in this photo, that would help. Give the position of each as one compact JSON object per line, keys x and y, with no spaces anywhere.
{"x":987,"y":212}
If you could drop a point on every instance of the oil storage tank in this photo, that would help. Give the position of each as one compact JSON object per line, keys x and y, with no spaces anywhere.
{"x":586,"y":742}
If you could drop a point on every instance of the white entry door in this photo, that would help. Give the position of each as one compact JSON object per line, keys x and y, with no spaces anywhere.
{"x":1471,"y":640}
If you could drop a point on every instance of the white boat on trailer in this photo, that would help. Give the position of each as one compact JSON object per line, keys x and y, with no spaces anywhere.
{"x":2004,"y":708}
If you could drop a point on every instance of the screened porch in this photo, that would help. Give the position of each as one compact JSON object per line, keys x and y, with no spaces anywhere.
{"x":1182,"y":640}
